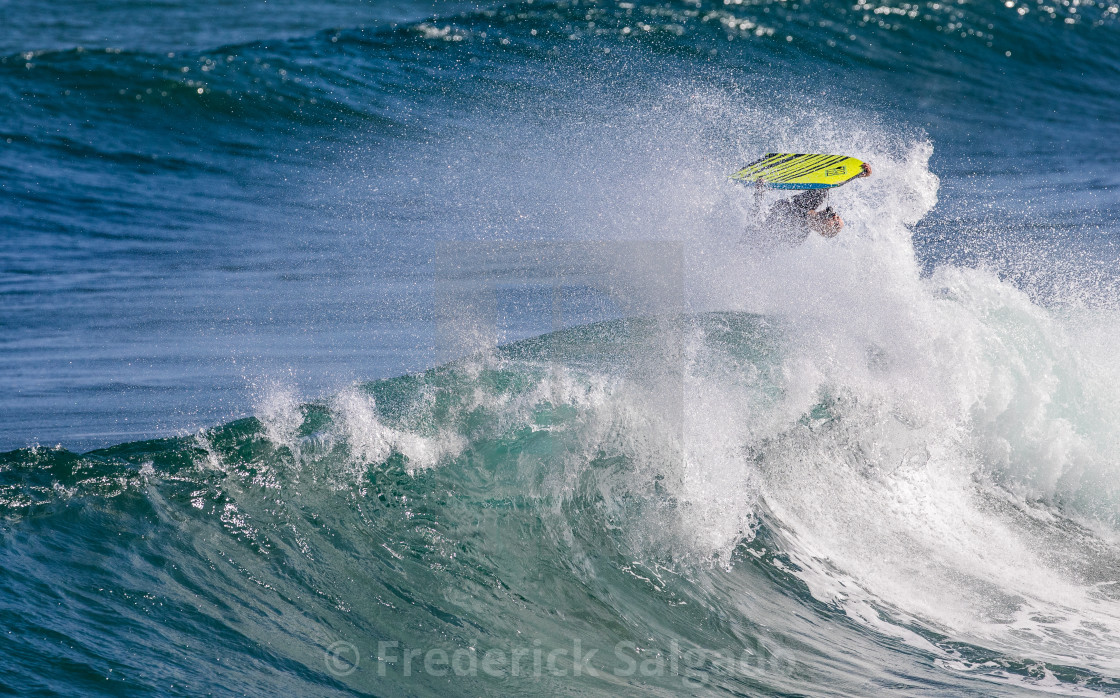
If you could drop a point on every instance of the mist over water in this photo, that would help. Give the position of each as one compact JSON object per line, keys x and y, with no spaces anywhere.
{"x":447,"y":332}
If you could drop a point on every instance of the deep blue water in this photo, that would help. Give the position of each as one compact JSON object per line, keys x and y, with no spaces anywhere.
{"x":261,"y":255}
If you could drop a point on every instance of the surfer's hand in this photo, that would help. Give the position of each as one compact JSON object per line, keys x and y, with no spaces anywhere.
{"x":866,"y":170}
{"x":759,"y":189}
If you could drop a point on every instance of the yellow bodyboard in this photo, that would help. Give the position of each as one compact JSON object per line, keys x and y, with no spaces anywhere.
{"x":800,"y":171}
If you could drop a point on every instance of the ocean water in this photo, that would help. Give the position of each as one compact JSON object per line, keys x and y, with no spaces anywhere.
{"x":425,"y":348}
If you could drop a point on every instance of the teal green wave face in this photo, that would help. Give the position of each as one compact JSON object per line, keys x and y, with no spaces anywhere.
{"x":551,"y":496}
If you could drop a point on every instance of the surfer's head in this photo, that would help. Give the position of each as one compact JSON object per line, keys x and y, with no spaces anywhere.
{"x":827,"y":222}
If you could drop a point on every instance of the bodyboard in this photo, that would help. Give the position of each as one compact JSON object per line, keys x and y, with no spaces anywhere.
{"x":800,"y":171}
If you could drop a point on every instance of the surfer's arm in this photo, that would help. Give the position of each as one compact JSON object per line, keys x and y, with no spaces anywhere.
{"x":866,"y":170}
{"x":809,"y":200}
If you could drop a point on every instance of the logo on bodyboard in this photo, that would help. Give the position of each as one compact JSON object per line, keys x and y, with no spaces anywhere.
{"x":836,"y":171}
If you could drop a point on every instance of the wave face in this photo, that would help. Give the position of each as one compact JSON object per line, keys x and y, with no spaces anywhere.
{"x":507,"y":400}
{"x":802,"y":525}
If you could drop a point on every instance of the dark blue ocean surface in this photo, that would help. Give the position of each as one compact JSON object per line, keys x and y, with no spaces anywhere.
{"x":439,"y":327}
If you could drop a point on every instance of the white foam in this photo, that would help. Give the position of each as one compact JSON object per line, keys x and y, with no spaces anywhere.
{"x":943,"y":390}
{"x":967,"y":425}
{"x":278,"y":409}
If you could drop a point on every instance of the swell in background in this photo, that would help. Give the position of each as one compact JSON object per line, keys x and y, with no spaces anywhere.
{"x":188,"y":221}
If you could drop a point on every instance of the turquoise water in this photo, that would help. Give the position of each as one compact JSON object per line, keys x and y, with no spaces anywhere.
{"x":425,"y":348}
